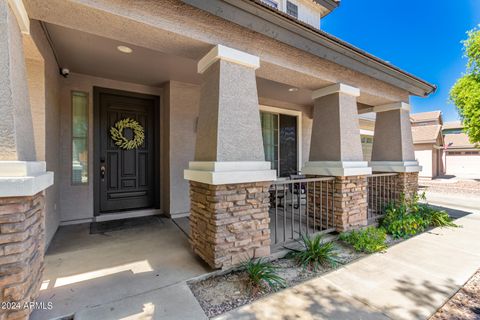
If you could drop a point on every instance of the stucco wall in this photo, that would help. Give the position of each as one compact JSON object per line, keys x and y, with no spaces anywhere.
{"x":76,"y":201}
{"x":182,"y":104}
{"x":44,"y":88}
{"x":424,"y":155}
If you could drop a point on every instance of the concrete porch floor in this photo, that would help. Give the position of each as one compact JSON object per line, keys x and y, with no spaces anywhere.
{"x":133,"y":273}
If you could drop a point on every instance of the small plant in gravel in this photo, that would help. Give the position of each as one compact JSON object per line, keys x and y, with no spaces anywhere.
{"x":262,"y":275}
{"x":315,"y":253}
{"x":367,"y":240}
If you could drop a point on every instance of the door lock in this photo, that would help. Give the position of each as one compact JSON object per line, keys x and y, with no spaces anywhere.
{"x":102,"y":172}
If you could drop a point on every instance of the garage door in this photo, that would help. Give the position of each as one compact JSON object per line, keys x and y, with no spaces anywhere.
{"x":463,"y":165}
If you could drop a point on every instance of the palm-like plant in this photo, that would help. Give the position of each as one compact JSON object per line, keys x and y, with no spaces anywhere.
{"x":263,"y":274}
{"x":315,"y":253}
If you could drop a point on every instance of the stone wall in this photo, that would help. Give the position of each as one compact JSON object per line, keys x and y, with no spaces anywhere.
{"x":407,"y":184}
{"x":22,"y":247}
{"x":345,"y":208}
{"x":229,"y":223}
{"x":350,"y":202}
{"x":320,"y":204}
{"x":386,"y":189}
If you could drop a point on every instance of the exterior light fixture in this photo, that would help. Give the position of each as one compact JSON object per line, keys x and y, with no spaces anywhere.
{"x":124,"y":49}
{"x":293,"y":89}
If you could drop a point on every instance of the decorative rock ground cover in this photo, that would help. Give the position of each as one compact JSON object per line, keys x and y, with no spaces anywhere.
{"x":221,"y":293}
{"x":224,"y":291}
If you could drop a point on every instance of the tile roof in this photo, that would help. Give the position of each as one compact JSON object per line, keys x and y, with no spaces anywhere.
{"x":459,"y":140}
{"x":425,"y":116}
{"x":453,"y":125}
{"x":426,"y":134}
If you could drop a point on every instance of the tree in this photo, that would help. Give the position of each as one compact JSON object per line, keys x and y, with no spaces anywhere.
{"x":465,"y":93}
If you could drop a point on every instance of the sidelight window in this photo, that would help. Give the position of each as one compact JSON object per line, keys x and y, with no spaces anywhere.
{"x":79,"y":137}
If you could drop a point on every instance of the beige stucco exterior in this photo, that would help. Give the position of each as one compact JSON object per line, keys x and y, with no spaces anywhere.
{"x":189,"y":33}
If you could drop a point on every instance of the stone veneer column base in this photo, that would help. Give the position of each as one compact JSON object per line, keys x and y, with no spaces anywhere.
{"x":406,"y":184}
{"x":348,"y":207}
{"x":22,"y":246}
{"x":229,"y":223}
{"x":350,"y":202}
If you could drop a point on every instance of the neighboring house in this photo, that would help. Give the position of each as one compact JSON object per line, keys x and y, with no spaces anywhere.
{"x":461,"y":158}
{"x":428,"y":142}
{"x":186,"y":108}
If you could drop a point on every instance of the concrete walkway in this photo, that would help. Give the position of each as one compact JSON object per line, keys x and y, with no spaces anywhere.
{"x":136,"y":273}
{"x":410,"y":281}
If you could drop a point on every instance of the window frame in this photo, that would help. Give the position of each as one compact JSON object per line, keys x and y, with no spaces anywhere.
{"x":87,"y":137}
{"x":288,"y":112}
{"x":291,"y":4}
{"x":271,"y":3}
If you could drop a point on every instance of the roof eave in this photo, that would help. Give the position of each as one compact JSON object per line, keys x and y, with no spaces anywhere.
{"x":330,"y":5}
{"x":290,"y":31}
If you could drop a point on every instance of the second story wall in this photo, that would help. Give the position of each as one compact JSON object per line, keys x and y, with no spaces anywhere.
{"x":304,"y":10}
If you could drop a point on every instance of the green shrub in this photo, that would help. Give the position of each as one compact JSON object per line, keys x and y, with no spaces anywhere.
{"x":263,"y":274}
{"x":367,"y":240}
{"x":408,"y":218}
{"x":437,"y":218}
{"x":315,"y":253}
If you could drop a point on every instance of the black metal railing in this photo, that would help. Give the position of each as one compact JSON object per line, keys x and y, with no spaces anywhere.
{"x":381,"y":191}
{"x":301,"y":207}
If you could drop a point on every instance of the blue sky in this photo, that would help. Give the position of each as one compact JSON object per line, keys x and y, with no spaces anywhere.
{"x":419,"y":36}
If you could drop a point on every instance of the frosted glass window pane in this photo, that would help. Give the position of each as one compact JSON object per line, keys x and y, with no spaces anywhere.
{"x":79,"y":138}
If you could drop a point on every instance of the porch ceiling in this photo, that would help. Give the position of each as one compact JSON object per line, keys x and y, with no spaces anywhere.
{"x":90,"y":54}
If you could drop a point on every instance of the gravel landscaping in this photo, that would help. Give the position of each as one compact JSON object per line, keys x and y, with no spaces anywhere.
{"x":464,"y":305}
{"x":451,"y":186}
{"x":221,"y":293}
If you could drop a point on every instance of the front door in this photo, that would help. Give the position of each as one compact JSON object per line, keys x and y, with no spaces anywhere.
{"x":126,"y":173}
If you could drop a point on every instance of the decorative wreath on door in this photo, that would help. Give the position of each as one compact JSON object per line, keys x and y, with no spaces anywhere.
{"x":116,"y":132}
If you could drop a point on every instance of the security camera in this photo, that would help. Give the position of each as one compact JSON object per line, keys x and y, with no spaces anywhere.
{"x":64,"y":72}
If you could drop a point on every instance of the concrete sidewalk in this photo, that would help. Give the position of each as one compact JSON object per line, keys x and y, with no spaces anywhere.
{"x":410,"y":281}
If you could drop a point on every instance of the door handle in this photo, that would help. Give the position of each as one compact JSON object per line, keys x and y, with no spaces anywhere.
{"x":102,"y":172}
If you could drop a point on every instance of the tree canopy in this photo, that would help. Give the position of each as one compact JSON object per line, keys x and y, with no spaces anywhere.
{"x":465,"y":93}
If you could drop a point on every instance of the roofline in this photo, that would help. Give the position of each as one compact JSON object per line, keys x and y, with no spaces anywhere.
{"x":328,"y":4}
{"x":275,"y":24}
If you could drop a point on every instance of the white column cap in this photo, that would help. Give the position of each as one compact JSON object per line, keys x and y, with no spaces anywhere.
{"x":229,"y":172}
{"x":220,"y":52}
{"x":395,"y":166}
{"x":334,"y":88}
{"x":392,"y":106}
{"x":337,"y":168}
{"x":23,"y":178}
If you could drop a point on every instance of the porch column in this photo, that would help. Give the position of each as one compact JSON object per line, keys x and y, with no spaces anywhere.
{"x":22,"y":179}
{"x":229,"y":179}
{"x":393,"y":149}
{"x":336,"y":150}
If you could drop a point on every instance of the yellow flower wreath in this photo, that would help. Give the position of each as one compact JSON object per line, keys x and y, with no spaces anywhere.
{"x":116,"y":133}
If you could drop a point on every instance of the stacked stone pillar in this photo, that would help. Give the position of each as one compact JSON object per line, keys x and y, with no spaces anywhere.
{"x":229,"y":179}
{"x":22,"y":179}
{"x":393,"y":149}
{"x":336,"y":151}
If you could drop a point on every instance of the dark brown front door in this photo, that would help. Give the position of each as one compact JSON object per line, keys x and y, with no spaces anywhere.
{"x":125,"y":179}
